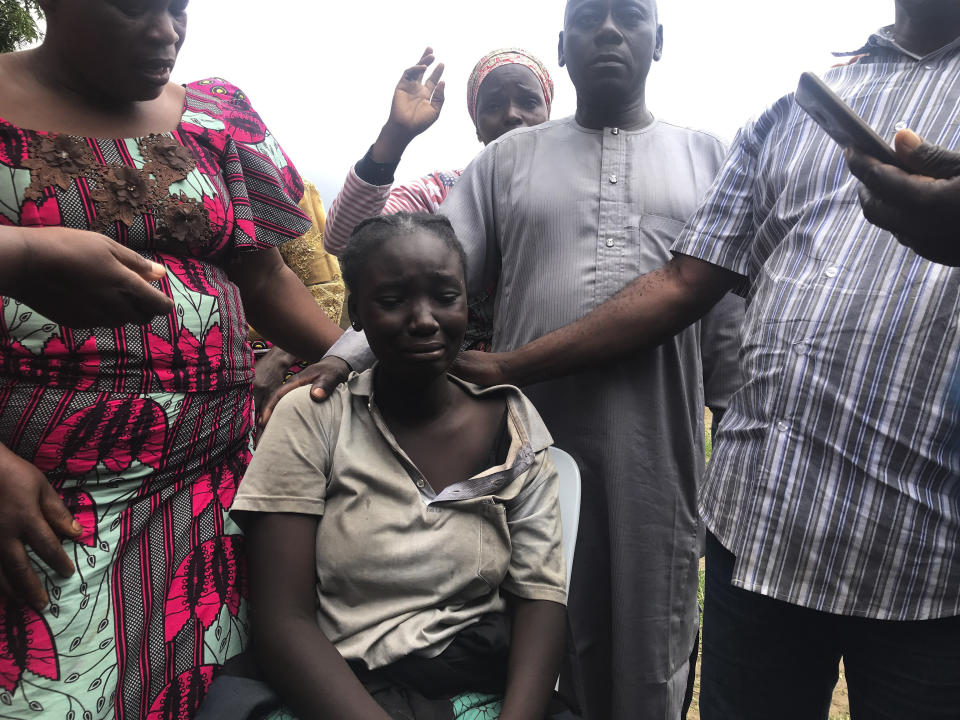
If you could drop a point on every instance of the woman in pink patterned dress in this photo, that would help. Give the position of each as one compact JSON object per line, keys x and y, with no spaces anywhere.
{"x":138,"y":220}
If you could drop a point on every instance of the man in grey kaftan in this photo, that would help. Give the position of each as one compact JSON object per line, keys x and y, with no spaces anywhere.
{"x":563,"y":217}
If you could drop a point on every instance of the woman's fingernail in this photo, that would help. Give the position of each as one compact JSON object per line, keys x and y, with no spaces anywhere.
{"x":77,"y":527}
{"x":158,"y":269}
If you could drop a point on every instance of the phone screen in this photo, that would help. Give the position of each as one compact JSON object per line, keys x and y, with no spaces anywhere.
{"x":840,"y":122}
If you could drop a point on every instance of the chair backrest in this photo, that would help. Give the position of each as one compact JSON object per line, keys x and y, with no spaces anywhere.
{"x":569,"y":476}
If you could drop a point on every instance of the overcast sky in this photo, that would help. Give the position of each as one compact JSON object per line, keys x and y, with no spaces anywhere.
{"x":321,"y":73}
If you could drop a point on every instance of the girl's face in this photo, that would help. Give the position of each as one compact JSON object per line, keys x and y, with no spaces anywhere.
{"x":119,"y":49}
{"x":412,"y":304}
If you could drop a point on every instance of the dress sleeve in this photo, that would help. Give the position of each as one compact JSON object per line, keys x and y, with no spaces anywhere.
{"x":352,"y":347}
{"x":356,"y":201}
{"x":423,"y":195}
{"x":289,"y":470}
{"x":264,"y":186}
{"x":360,"y":199}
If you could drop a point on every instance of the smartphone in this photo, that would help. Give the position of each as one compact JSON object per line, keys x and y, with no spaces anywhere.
{"x":840,"y":122}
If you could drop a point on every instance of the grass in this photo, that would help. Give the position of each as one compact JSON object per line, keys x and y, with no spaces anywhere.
{"x":839,"y":708}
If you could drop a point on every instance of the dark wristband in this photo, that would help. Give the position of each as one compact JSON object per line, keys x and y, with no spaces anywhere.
{"x":374,"y":173}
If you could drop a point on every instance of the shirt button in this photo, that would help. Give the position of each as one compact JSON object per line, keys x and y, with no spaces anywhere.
{"x":610,"y":242}
{"x":929,"y":67}
{"x":613,"y":179}
{"x":801,"y":348}
{"x":782,"y":426}
{"x":615,"y":131}
{"x":902,"y":125}
{"x":420,"y":483}
{"x":831,"y":271}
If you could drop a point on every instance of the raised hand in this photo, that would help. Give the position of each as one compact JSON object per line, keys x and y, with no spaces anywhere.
{"x":416,"y":106}
{"x":81,"y":279}
{"x":922,"y":207}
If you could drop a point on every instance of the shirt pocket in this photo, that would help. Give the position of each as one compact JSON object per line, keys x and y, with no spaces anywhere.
{"x":494,"y":550}
{"x":654,"y":238}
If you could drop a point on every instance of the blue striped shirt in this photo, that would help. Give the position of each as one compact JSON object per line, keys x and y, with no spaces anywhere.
{"x":836,"y":476}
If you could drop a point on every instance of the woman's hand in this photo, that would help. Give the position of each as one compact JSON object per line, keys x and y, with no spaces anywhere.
{"x":270,"y":371}
{"x":79,"y":278}
{"x":31,"y":513}
{"x":416,"y":106}
{"x":323,"y":377}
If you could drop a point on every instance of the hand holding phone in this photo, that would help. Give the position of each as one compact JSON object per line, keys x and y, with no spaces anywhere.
{"x":921,"y":207}
{"x":840,"y":122}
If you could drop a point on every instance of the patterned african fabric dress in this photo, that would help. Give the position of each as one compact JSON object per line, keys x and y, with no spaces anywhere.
{"x":143,"y":430}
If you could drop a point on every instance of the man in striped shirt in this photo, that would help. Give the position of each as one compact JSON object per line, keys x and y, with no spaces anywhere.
{"x":833,"y":496}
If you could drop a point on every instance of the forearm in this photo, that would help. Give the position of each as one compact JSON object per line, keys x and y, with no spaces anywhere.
{"x":536,"y":648}
{"x":303,"y":665}
{"x":13,"y":258}
{"x":284,"y":312}
{"x":308,"y":672}
{"x":390,"y":144}
{"x":648,"y":311}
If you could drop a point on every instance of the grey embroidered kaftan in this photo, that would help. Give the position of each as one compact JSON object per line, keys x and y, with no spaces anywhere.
{"x":565,"y":217}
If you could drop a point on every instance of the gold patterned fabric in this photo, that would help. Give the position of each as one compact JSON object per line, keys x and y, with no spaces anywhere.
{"x":315,"y":267}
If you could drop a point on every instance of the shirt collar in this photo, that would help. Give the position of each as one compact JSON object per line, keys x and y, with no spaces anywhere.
{"x":884,"y":38}
{"x":528,"y":436}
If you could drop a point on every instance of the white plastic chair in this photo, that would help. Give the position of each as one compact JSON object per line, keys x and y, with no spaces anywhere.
{"x":569,"y":491}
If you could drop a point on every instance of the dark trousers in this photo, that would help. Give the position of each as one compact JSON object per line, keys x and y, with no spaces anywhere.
{"x":763,"y":658}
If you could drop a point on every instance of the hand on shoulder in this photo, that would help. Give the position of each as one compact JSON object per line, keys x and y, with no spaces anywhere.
{"x":323,"y":378}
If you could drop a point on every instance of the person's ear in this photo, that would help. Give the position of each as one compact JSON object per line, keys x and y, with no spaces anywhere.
{"x":658,"y":50}
{"x":352,"y":312}
{"x":560,"y":58}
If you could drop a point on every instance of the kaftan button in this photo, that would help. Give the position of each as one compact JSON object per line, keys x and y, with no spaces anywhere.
{"x":610,"y":242}
{"x":613,"y":179}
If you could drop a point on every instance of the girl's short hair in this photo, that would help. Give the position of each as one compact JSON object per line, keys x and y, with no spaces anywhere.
{"x":370,"y":234}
